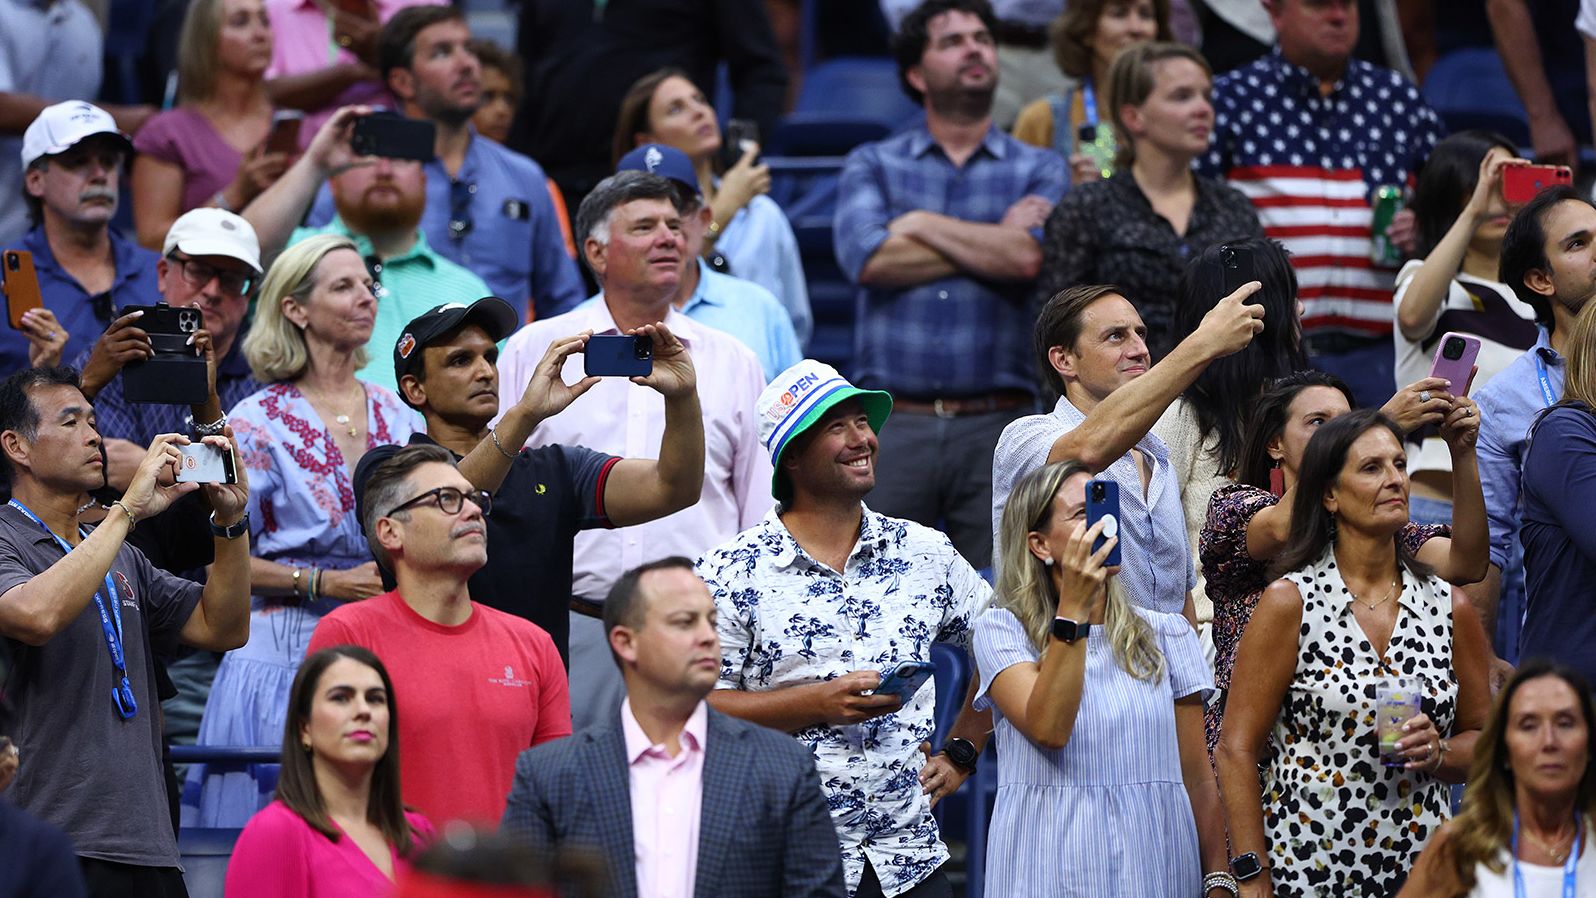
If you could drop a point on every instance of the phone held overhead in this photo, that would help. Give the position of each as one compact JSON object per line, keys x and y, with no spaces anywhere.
{"x":393,"y":136}
{"x":175,"y":371}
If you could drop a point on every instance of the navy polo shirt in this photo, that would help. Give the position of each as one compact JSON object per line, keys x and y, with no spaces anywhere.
{"x":85,"y":317}
{"x":550,"y":494}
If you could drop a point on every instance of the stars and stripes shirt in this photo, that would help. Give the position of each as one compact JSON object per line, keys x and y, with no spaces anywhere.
{"x":1310,"y":164}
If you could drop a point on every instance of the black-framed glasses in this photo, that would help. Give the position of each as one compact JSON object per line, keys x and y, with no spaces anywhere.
{"x":461,"y":193}
{"x":449,"y":500}
{"x":197,"y":274}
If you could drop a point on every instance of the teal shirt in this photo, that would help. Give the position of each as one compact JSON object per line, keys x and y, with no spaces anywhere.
{"x":412,"y":284}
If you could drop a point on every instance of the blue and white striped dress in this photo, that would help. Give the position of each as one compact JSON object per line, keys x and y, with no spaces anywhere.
{"x":1108,"y":813}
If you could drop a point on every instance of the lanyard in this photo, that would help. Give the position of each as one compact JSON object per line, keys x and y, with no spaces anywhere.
{"x":110,"y":624}
{"x":1568,"y":865}
{"x":1546,"y":383}
{"x":1089,"y":102}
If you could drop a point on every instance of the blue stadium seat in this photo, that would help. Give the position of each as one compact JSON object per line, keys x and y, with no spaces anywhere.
{"x":952,"y":679}
{"x":1469,"y":88}
{"x":856,"y":87}
{"x":963,"y":815}
{"x":205,"y":853}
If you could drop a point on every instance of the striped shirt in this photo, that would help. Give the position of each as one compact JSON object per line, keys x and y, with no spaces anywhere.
{"x":1310,"y":164}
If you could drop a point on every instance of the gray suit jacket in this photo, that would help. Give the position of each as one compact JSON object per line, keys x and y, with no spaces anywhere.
{"x":764,"y":828}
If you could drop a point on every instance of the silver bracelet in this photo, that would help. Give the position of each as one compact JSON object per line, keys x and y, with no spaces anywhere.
{"x":214,"y":429}
{"x":494,"y":433}
{"x":1221,"y":880}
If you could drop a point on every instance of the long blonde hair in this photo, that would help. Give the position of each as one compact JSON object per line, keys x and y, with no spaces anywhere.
{"x":1579,"y":371}
{"x":1026,"y":590}
{"x":275,"y":347}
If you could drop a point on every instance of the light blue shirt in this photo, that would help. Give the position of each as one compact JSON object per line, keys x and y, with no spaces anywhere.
{"x":1508,"y":405}
{"x":760,"y":246}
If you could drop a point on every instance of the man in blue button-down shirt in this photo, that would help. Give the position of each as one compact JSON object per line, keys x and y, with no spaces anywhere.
{"x":940,"y":227}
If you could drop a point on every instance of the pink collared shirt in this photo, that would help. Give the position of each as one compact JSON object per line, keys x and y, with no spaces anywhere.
{"x":621,"y":418}
{"x":667,"y":795}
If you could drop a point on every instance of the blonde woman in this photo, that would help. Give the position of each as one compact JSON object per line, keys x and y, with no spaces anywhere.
{"x":300,"y":437}
{"x":1104,"y":786}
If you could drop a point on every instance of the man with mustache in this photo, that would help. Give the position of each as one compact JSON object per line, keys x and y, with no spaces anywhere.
{"x":72,"y":157}
{"x":477,"y":686}
{"x":940,"y":226}
{"x":380,"y":203}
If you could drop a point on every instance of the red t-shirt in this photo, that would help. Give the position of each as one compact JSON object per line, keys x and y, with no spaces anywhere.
{"x":470,"y":699}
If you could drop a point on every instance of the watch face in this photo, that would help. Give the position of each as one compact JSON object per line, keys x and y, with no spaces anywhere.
{"x":1246,"y":866}
{"x":960,"y":752}
{"x":1067,"y":630}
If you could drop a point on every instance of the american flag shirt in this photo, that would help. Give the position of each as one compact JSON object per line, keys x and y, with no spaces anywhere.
{"x":1310,"y":164}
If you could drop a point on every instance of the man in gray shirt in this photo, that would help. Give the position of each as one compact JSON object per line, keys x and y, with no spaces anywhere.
{"x":84,"y":612}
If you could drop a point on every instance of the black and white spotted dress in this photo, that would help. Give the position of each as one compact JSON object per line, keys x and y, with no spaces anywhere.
{"x":1339,"y":823}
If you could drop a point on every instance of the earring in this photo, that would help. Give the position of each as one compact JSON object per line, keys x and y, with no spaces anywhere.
{"x":305,"y":746}
{"x":1277,"y":479}
{"x":1048,"y":562}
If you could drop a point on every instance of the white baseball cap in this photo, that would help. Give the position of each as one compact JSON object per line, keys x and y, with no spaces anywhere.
{"x":214,"y":232}
{"x":61,"y":127}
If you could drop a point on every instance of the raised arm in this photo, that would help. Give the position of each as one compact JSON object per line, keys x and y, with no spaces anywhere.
{"x":642,"y":490}
{"x":545,"y":395}
{"x":221,"y":620}
{"x":1465,"y":557}
{"x":1426,"y":290}
{"x":1520,"y":49}
{"x":279,"y":208}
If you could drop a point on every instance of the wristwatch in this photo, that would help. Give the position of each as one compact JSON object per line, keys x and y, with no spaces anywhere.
{"x":961,"y":753}
{"x":232,"y":531}
{"x":1246,"y":866}
{"x":1067,"y":631}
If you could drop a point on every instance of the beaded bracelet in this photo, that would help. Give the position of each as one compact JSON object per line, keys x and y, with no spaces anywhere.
{"x":1221,"y":880}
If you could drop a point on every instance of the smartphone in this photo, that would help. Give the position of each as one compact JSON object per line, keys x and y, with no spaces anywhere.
{"x":905,"y":679}
{"x":1454,"y":360}
{"x":1239,"y":267}
{"x":204,"y":463}
{"x":1102,"y":501}
{"x":175,"y":371}
{"x":740,"y":134}
{"x":393,"y":137}
{"x":21,"y":285}
{"x":619,"y":356}
{"x":284,"y":134}
{"x":1520,"y":183}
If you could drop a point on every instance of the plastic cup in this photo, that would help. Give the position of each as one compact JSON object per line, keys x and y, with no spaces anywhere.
{"x":1396,"y":701}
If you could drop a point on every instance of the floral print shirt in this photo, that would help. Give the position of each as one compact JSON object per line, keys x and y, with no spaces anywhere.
{"x":789,"y":620}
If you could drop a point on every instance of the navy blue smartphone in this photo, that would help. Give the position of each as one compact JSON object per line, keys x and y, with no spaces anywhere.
{"x":1102,"y":501}
{"x":619,"y":356}
{"x":905,"y":679}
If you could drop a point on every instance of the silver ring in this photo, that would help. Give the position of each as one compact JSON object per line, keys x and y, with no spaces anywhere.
{"x":1424,"y":395}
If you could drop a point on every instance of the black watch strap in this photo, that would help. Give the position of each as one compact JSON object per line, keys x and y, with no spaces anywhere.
{"x":233,"y":531}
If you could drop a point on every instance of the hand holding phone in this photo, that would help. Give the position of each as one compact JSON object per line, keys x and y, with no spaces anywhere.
{"x":1102,"y":503}
{"x":905,"y":679}
{"x":284,"y":134}
{"x":1454,"y":361}
{"x":203,"y":463}
{"x":1239,"y":266}
{"x":1522,"y":181}
{"x":393,"y":137}
{"x":21,"y":285}
{"x":619,"y":355}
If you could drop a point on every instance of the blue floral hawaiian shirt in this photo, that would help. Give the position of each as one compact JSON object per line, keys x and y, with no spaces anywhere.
{"x":788,"y":620}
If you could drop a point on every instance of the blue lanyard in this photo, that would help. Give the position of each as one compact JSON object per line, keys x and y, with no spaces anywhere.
{"x":1089,"y":102}
{"x":110,"y":624}
{"x":1546,"y":383}
{"x":1568,"y":865}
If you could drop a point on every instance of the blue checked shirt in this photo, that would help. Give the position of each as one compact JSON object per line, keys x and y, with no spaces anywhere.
{"x":956,"y":336}
{"x":141,"y":422}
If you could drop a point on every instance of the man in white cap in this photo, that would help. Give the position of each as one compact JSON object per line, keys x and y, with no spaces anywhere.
{"x":72,"y":156}
{"x":818,"y":601}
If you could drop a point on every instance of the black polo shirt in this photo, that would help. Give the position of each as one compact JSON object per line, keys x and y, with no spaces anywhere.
{"x":550,"y":494}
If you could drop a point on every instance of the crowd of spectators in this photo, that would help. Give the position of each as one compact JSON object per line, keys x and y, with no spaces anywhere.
{"x":1153,"y":414}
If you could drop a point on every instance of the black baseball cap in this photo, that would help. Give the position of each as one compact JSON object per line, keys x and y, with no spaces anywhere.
{"x":491,"y":313}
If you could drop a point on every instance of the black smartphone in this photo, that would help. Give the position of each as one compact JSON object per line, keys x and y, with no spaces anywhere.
{"x":175,"y":373}
{"x":619,"y":356}
{"x":740,"y":132}
{"x":393,"y":137}
{"x":1239,"y":266}
{"x":1102,"y":501}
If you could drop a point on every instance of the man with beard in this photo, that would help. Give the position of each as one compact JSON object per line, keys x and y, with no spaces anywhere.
{"x":940,"y":226}
{"x":380,"y":204}
{"x":488,"y":207}
{"x":72,"y":156}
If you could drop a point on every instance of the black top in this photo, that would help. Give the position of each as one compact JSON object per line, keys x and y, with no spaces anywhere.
{"x":582,"y":55}
{"x":550,"y":494}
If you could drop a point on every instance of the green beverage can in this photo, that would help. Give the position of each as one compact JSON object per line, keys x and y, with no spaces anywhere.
{"x":1388,"y":201}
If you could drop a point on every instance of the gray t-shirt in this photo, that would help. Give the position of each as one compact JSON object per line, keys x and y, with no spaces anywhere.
{"x":84,"y":768}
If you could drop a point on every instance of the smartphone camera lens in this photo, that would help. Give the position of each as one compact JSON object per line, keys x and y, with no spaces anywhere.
{"x":1453,"y":349}
{"x":12,"y":261}
{"x":643,"y":348}
{"x":1097,"y":491}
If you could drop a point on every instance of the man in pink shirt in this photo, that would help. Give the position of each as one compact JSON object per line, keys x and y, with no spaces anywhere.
{"x":680,"y":800}
{"x":473,"y":686}
{"x":629,"y":228}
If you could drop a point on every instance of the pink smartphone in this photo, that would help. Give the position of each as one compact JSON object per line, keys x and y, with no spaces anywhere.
{"x":1454,"y":360}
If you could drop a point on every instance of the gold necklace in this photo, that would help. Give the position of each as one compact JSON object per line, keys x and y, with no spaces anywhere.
{"x":342,"y":420}
{"x":1388,"y":594}
{"x":1558,"y":855}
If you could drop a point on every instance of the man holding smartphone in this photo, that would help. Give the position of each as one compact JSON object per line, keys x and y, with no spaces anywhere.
{"x":820,"y":600}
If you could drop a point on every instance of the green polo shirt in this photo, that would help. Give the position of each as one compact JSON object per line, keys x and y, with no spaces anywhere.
{"x":412,"y":284}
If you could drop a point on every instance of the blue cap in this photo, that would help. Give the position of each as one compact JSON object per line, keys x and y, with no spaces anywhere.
{"x":667,"y":162}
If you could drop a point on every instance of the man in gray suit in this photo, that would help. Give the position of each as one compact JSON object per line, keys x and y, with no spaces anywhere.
{"x":679,"y":799}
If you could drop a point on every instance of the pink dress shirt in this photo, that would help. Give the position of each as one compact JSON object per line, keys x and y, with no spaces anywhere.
{"x":302,"y":42}
{"x":278,"y":855}
{"x":667,"y":795}
{"x":621,"y":418}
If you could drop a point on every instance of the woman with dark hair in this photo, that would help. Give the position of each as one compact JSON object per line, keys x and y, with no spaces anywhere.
{"x":746,"y":226}
{"x":1248,"y":522}
{"x":337,"y":826}
{"x":1530,"y":797}
{"x":1362,"y":609}
{"x":1461,"y":218}
{"x":1139,"y":228}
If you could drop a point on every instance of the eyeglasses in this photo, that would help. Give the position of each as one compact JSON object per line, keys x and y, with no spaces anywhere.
{"x":197,"y":274}
{"x":460,"y":195}
{"x":449,"y":500}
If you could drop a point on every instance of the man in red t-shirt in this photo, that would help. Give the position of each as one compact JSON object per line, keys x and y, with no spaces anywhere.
{"x":473,"y":686}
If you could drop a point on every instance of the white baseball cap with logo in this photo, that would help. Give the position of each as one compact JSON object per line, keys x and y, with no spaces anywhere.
{"x":63,"y":126}
{"x":797,"y":399}
{"x":214,"y":232}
